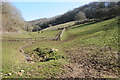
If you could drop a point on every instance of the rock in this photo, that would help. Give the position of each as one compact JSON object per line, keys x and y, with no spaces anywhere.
{"x":54,"y":50}
{"x":5,"y":74}
{"x":9,"y":74}
{"x":19,"y":73}
{"x":22,"y":71}
{"x":28,"y":58}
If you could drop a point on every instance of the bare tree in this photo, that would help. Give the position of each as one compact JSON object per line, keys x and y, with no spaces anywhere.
{"x":11,"y":18}
{"x":79,"y":16}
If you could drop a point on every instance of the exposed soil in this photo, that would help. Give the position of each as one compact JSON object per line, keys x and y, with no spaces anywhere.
{"x":92,"y":62}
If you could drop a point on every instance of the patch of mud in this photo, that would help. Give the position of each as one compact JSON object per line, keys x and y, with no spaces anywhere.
{"x":92,"y":62}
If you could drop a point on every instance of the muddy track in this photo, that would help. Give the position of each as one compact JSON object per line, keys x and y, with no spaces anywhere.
{"x":59,"y":35}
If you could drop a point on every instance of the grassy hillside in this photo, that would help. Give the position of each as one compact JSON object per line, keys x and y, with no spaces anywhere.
{"x":85,"y":51}
{"x":103,"y":33}
{"x":60,"y":25}
{"x":94,"y":45}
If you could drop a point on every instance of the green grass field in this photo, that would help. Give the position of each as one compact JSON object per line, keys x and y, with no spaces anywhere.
{"x":46,"y":33}
{"x":99,"y":34}
{"x":94,"y":44}
{"x":92,"y":41}
{"x":61,"y":25}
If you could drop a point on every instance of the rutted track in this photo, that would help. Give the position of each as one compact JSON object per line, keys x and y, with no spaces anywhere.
{"x":59,"y":35}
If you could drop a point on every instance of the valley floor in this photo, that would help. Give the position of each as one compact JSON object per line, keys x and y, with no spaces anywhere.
{"x":87,"y":50}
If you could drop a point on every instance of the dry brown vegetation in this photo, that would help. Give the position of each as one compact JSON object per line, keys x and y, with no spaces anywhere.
{"x":11,"y":18}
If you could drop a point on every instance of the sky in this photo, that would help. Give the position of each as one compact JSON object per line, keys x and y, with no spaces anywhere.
{"x":36,"y":10}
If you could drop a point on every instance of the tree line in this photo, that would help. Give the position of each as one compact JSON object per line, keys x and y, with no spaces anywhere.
{"x":12,"y":20}
{"x":94,"y":10}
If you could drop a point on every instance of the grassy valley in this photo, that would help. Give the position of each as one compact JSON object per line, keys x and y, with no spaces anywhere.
{"x":88,"y":45}
{"x":85,"y":48}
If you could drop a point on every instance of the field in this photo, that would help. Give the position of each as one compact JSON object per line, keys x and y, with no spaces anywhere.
{"x":85,"y":50}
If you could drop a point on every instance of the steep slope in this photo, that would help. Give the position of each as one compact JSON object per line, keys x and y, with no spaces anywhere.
{"x":11,"y":18}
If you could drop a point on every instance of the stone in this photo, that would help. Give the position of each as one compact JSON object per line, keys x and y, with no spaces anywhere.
{"x":22,"y":71}
{"x":19,"y":73}
{"x":56,"y":49}
{"x":29,"y":58}
{"x":5,"y":74}
{"x":9,"y":74}
{"x":53,"y":49}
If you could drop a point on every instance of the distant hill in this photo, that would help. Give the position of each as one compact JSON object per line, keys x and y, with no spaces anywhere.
{"x":39,"y":20}
{"x":94,"y":10}
{"x":11,"y":18}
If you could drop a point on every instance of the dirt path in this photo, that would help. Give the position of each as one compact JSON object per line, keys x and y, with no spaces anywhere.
{"x":59,"y":35}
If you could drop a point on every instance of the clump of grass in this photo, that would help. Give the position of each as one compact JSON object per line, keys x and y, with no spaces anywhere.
{"x":44,"y":54}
